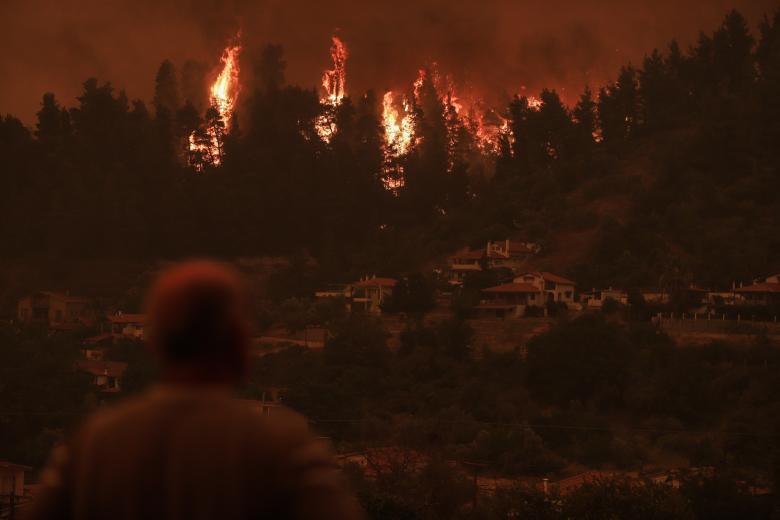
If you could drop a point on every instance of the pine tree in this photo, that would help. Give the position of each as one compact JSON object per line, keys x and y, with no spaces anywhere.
{"x":584,"y":114}
{"x":167,"y":99}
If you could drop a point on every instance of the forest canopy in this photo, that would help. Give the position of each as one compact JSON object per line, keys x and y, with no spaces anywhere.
{"x":676,"y":161}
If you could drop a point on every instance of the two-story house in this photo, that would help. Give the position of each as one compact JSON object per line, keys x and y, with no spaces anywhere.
{"x":762,"y":292}
{"x":510,"y":299}
{"x":125,"y":325}
{"x":529,"y":289}
{"x":554,"y":288}
{"x":368,"y":294}
{"x":106,"y":375}
{"x":12,"y":492}
{"x":507,"y":254}
{"x":55,"y":310}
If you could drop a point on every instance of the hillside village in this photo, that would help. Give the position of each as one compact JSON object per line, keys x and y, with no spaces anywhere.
{"x":507,"y":304}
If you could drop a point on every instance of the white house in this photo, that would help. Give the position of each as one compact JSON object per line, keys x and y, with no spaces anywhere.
{"x":510,"y":299}
{"x":368,"y":294}
{"x":554,"y":288}
{"x":510,"y":254}
{"x":106,"y":375}
{"x":596,"y":298}
{"x":128,"y":325}
{"x":529,"y":289}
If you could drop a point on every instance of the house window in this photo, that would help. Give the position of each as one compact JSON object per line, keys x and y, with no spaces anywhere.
{"x":567,"y":294}
{"x":58,"y":315}
{"x":549,"y":286}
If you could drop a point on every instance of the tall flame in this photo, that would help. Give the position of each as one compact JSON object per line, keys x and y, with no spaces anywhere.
{"x":399,"y":130}
{"x":334,"y":85}
{"x":224,"y":90}
{"x":223,"y":95}
{"x":399,"y":137}
{"x":334,"y":80}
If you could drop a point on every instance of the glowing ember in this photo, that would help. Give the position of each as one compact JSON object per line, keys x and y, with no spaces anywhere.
{"x":222,"y":99}
{"x":334,"y":84}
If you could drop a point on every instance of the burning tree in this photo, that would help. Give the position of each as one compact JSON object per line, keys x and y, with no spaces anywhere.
{"x":206,"y":146}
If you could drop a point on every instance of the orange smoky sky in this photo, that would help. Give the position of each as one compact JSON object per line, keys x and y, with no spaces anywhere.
{"x":493,"y":47}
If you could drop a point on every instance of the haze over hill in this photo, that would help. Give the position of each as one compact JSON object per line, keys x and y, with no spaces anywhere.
{"x":494,"y":47}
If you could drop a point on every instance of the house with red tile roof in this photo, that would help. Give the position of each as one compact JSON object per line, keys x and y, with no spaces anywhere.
{"x":762,"y":292}
{"x":368,"y":294}
{"x":127,"y":325}
{"x":106,"y":375}
{"x":527,"y":290}
{"x":554,"y":288}
{"x":509,"y":254}
{"x":509,"y":299}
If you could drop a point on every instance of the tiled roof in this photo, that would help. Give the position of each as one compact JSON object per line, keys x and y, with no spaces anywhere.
{"x":470,"y":254}
{"x":128,"y":318}
{"x":760,"y":288}
{"x":4,"y":464}
{"x":102,"y":368}
{"x":512,"y":288}
{"x":376,"y":282}
{"x":557,"y":279}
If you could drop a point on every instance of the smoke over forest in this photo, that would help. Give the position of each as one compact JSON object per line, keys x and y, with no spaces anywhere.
{"x":495,"y":47}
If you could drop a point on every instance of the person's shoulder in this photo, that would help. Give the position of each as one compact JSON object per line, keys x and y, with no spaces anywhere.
{"x":278,"y":421}
{"x":117,"y":416}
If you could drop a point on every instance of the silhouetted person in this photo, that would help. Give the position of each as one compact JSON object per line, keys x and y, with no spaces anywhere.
{"x":188,"y":449}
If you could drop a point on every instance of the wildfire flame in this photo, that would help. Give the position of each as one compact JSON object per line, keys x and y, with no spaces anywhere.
{"x":334,"y":80}
{"x":399,"y":137}
{"x":488,"y":129}
{"x":223,"y":95}
{"x":224,"y":90}
{"x":334,"y":85}
{"x":399,"y":130}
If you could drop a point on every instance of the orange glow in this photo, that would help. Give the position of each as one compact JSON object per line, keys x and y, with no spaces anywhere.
{"x":399,"y":137}
{"x":334,"y":85}
{"x":399,"y":130}
{"x":224,"y":91}
{"x":223,"y":95}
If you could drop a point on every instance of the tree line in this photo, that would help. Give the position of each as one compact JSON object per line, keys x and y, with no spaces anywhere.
{"x":111,"y":177}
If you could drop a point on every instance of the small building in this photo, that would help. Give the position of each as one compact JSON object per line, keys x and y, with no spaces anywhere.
{"x":510,"y":299}
{"x":464,"y":262}
{"x":106,"y":375}
{"x":553,"y":287}
{"x":132,"y":326}
{"x":11,"y":484}
{"x":762,"y":292}
{"x":509,"y":254}
{"x":595,"y":299}
{"x":55,"y":310}
{"x":655,"y":295}
{"x":334,"y":290}
{"x":368,"y":294}
{"x":512,"y":254}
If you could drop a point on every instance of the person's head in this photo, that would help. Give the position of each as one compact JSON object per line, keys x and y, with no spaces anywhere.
{"x":198,"y":324}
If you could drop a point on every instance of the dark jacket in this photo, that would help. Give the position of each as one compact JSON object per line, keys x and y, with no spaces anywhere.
{"x":188,"y":453}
